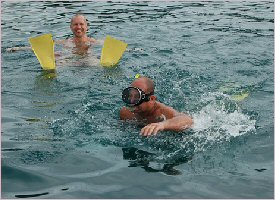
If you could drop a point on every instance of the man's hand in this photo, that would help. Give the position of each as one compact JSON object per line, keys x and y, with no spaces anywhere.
{"x":12,"y":49}
{"x":152,"y":129}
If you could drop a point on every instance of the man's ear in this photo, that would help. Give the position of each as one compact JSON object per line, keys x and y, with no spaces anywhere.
{"x":153,"y":98}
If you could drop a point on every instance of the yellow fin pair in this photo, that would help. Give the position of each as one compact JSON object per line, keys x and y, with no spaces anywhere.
{"x":43,"y":47}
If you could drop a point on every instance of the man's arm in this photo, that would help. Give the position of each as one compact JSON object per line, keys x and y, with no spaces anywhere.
{"x":13,"y":49}
{"x":178,"y":122}
{"x":99,"y":42}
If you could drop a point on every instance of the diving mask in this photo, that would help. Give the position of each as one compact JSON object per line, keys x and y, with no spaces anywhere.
{"x":134,"y":96}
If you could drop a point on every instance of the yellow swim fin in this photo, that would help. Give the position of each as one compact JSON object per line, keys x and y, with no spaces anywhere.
{"x":112,"y":51}
{"x":232,"y":89}
{"x":43,"y":48}
{"x":239,"y":97}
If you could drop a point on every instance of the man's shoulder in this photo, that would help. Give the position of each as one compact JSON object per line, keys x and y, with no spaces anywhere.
{"x":164,"y":107}
{"x":60,"y":41}
{"x":166,"y":110}
{"x":92,"y":40}
{"x":65,"y":42}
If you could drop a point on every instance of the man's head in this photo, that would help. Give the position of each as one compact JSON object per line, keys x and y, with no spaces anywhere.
{"x":79,"y":25}
{"x":145,"y":84}
{"x":140,"y":94}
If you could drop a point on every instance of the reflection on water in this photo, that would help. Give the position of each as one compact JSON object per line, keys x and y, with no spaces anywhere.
{"x":145,"y":160}
{"x":30,"y":195}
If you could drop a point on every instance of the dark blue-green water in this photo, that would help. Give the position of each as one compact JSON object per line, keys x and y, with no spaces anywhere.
{"x":62,"y":137}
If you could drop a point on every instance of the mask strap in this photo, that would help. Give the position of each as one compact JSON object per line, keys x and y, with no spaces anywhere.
{"x":147,"y":96}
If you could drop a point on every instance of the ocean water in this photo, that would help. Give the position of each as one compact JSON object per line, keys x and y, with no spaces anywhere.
{"x":61,"y":133}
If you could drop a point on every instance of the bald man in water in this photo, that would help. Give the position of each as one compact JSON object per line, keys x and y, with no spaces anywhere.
{"x":80,"y":41}
{"x":142,"y":105}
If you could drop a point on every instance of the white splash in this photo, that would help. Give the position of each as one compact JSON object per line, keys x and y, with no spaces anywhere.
{"x":222,"y":119}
